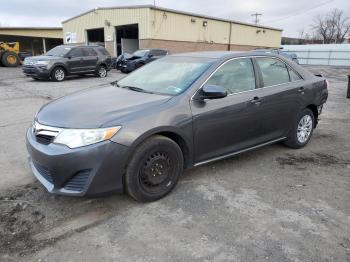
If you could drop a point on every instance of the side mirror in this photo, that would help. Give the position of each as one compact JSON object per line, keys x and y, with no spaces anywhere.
{"x":212,"y":92}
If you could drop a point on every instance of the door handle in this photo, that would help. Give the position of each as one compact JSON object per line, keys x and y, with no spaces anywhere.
{"x":301,"y":90}
{"x":256,"y":100}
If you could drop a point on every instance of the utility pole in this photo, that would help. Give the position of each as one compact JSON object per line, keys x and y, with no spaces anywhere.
{"x":256,"y":20}
{"x":154,"y":3}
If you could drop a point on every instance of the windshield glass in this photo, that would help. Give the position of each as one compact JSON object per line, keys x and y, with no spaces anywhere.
{"x":169,"y":75}
{"x":59,"y":51}
{"x":140,"y":53}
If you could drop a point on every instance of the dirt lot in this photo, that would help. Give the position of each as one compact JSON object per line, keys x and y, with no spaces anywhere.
{"x":272,"y":204}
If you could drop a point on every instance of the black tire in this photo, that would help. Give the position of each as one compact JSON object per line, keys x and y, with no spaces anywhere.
{"x":154,"y":169}
{"x":296,"y":141}
{"x":10,"y":59}
{"x":58,"y":74}
{"x":101,"y":71}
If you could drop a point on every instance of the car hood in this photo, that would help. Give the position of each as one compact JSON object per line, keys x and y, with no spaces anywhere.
{"x":96,"y":107}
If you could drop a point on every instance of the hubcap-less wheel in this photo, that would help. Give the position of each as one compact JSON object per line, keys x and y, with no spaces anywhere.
{"x":154,"y":169}
{"x":304,"y":128}
{"x":59,"y":74}
{"x":157,"y":172}
{"x":102,"y":72}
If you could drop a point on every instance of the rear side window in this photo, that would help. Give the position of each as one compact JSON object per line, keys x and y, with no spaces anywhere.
{"x":158,"y":52}
{"x":273,"y":71}
{"x":89,"y":51}
{"x":293,"y":76}
{"x":76,"y":52}
{"x":235,"y":76}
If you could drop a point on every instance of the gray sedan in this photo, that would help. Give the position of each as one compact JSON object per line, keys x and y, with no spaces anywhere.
{"x":139,"y":134}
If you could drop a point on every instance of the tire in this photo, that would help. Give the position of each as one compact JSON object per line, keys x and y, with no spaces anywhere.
{"x":10,"y":59}
{"x":58,"y":74}
{"x":302,"y":131}
{"x":154,"y":169}
{"x":101,"y":71}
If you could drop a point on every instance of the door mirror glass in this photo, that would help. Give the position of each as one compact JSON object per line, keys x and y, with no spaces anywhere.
{"x":213,"y":92}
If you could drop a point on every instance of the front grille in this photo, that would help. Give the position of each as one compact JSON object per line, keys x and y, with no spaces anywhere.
{"x":77,"y":182}
{"x":44,"y":172}
{"x":45,"y":134}
{"x":43,"y":139}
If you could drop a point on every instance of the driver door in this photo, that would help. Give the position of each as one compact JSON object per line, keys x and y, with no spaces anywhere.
{"x":222,"y":126}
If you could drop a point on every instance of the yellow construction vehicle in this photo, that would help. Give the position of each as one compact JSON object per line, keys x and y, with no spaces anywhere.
{"x":9,"y":54}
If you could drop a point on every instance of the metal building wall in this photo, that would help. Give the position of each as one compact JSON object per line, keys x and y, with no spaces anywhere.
{"x":333,"y":54}
{"x":99,"y":18}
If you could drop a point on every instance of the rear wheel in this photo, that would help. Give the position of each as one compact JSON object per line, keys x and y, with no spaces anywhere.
{"x":154,"y":169}
{"x":58,"y":74}
{"x":10,"y":59}
{"x":302,"y":130}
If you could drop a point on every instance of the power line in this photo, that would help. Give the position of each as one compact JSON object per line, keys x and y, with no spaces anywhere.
{"x":256,"y":20}
{"x":300,"y":12}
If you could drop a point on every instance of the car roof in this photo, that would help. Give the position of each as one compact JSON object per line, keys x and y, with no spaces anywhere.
{"x":224,"y":54}
{"x":74,"y":46}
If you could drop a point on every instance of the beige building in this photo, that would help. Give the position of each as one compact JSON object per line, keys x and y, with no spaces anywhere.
{"x":34,"y":40}
{"x":125,"y":29}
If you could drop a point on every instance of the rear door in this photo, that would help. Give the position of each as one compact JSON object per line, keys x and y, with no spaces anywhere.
{"x":90,"y":58}
{"x":283,"y":96}
{"x":222,"y":126}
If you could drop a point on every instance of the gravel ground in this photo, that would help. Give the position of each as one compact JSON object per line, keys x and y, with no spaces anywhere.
{"x":271,"y":204}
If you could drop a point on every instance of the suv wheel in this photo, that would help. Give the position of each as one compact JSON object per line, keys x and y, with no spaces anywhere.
{"x":58,"y":74}
{"x":102,"y":71}
{"x":302,"y":130}
{"x":154,"y":169}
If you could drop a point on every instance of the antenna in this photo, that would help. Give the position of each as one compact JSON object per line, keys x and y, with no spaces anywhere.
{"x":256,"y":20}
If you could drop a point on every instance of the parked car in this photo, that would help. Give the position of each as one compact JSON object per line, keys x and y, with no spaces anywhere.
{"x":140,"y":133}
{"x":128,"y":63}
{"x":291,"y":56}
{"x":117,"y":61}
{"x":65,"y":60}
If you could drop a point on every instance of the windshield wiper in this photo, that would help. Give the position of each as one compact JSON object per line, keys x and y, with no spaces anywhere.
{"x":137,"y":89}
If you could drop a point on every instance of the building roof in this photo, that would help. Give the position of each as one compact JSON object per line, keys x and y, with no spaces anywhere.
{"x":45,"y":32}
{"x":29,"y":28}
{"x":172,"y":11}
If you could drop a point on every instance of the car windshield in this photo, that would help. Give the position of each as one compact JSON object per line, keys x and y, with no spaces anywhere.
{"x":59,"y":51}
{"x":140,"y":53}
{"x":169,"y":76}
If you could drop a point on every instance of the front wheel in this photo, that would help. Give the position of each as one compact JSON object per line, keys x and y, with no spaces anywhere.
{"x":58,"y":74}
{"x":154,"y":169}
{"x":302,"y":130}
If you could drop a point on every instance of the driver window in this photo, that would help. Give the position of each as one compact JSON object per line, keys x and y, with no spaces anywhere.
{"x":235,"y":76}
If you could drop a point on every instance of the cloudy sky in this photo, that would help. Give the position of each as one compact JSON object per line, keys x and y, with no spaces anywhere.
{"x":290,"y":15}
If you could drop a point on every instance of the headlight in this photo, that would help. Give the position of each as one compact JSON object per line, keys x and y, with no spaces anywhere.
{"x":74,"y":138}
{"x":39,"y":62}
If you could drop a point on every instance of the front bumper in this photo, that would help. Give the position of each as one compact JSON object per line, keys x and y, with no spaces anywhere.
{"x":88,"y":170}
{"x":36,"y":71}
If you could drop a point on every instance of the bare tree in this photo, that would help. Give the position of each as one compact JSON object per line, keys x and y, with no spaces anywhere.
{"x":332,"y":27}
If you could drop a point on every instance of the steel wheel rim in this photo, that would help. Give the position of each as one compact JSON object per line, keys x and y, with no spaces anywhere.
{"x":11,"y":59}
{"x":157,"y":172}
{"x":102,"y":72}
{"x":59,"y":74}
{"x":304,"y":128}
